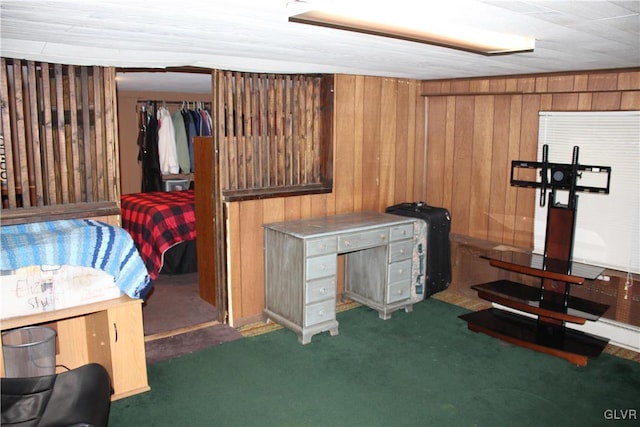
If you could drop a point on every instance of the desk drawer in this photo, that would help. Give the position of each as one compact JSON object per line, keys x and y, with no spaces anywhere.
{"x":400,"y":271}
{"x":398,"y":291}
{"x":321,"y":266}
{"x":400,"y":250}
{"x":324,"y":245}
{"x":318,"y":290}
{"x":319,"y":312}
{"x":401,"y":232}
{"x":364,"y":239}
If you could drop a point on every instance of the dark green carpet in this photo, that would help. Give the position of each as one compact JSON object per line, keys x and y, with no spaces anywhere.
{"x":417,"y":369}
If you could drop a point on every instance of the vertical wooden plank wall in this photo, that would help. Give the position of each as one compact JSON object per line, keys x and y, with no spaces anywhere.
{"x":59,"y":141}
{"x":378,"y":161}
{"x":476,"y":127}
{"x":271,"y":133}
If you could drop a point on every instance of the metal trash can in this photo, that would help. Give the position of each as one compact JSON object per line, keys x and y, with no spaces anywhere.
{"x":29,"y":352}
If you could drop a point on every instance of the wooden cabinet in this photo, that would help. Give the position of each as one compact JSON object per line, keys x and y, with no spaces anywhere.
{"x":108,"y":332}
{"x":301,"y":268}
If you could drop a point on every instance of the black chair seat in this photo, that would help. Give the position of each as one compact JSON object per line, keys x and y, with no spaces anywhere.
{"x":78,"y":397}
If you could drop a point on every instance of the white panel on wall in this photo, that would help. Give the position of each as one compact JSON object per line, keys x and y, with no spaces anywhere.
{"x":607,"y":225}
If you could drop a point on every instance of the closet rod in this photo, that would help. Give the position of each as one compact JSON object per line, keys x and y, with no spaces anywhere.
{"x":160,"y":102}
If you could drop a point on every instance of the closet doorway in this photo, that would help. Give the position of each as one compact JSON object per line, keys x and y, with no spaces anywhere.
{"x":179,"y":301}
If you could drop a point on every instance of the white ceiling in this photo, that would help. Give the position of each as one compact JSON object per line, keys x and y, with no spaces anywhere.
{"x":255,"y":36}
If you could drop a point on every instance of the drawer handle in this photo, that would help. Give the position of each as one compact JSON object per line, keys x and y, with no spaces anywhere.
{"x":399,"y":292}
{"x":323,"y":291}
{"x":402,"y":251}
{"x":321,"y":313}
{"x":403,"y":232}
{"x":347,"y":243}
{"x":383,"y":237}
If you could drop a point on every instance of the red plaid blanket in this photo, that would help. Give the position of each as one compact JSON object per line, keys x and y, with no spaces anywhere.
{"x":157,"y":221}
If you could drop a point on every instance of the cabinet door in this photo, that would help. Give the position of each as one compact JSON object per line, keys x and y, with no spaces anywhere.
{"x":115,"y":339}
{"x":72,"y":340}
{"x":128,"y":360}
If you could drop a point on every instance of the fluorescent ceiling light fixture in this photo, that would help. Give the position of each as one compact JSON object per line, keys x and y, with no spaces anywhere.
{"x":401,"y":23}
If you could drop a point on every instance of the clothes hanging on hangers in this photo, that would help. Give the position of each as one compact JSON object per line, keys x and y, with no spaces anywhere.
{"x":148,"y":153}
{"x":205,"y":122}
{"x":182,"y":141}
{"x":192,"y":132}
{"x":166,"y":140}
{"x":167,"y":151}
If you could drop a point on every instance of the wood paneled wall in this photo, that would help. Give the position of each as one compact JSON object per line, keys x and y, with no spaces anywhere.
{"x":476,"y":127}
{"x":379,"y":155}
{"x":473,"y":128}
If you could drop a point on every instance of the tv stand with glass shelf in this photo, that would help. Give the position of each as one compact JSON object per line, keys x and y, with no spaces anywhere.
{"x":548,"y":308}
{"x":534,"y":317}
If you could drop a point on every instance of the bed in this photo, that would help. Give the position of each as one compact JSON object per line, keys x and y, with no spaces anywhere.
{"x":51,"y":265}
{"x":163,"y":227}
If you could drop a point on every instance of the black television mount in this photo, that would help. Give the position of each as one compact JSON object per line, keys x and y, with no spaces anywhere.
{"x":559,"y":176}
{"x":560,"y":230}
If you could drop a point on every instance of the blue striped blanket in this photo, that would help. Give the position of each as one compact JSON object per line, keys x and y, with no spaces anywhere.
{"x":78,"y":242}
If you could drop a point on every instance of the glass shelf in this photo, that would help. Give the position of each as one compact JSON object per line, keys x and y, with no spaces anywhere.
{"x":538,"y":262}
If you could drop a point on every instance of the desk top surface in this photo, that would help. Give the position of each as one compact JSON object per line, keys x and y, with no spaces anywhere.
{"x":314,"y":227}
